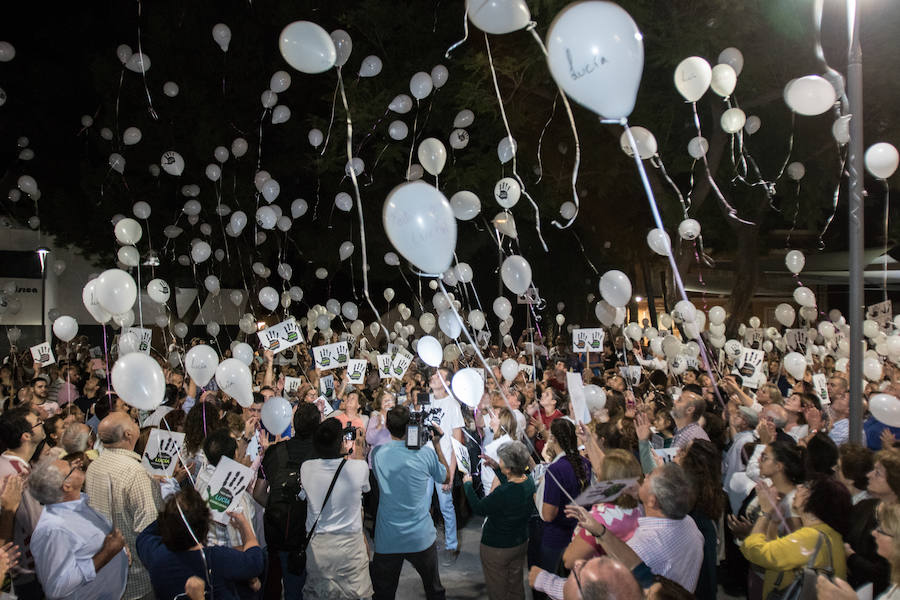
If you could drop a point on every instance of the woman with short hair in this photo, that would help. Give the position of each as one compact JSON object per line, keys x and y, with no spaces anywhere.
{"x":508,"y":508}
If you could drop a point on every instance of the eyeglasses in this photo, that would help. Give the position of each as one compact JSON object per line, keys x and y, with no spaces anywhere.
{"x":880,"y":531}
{"x":576,"y":571}
{"x":38,"y":424}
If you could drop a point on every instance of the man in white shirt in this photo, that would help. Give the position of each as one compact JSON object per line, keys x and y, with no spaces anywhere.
{"x":667,"y":540}
{"x":448,"y":416}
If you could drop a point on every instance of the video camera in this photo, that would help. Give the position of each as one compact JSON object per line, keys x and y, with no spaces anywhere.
{"x":420,"y":426}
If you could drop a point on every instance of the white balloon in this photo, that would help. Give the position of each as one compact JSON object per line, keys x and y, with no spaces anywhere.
{"x":439,"y":75}
{"x":509,"y":369}
{"x":138,"y":63}
{"x":450,"y":324}
{"x":343,"y":45}
{"x":840,"y":129}
{"x":881,"y":160}
{"x":692,"y":78}
{"x":502,"y":307}
{"x":463,"y":118}
{"x":596,"y":55}
{"x":116,"y":163}
{"x":432,"y":155}
{"x":398,"y":130}
{"x":233,"y":378}
{"x":733,"y":58}
{"x":507,"y":192}
{"x":498,"y":16}
{"x":752,"y":125}
{"x":65,"y":328}
{"x":243,"y":352}
{"x":346,"y":250}
{"x":685,"y":311}
{"x":689,"y":229}
{"x":222,"y":35}
{"x":268,"y":297}
{"x":804,"y":297}
{"x":615,"y":287}
{"x":658,"y":241}
{"x":886,"y":409}
{"x":172,"y":163}
{"x":733,"y":120}
{"x":307,"y":47}
{"x":201,"y":362}
{"x":430,"y":351}
{"x":506,"y":149}
{"x":139,"y":381}
{"x":796,"y":171}
{"x":170,"y":89}
{"x":401,"y":104}
{"x":370,"y":67}
{"x":420,"y":85}
{"x":568,"y":210}
{"x":129,"y":256}
{"x":128,"y":231}
{"x":420,"y":224}
{"x":315,"y":137}
{"x":280,"y":114}
{"x":516,"y":274}
{"x":131,"y":136}
{"x":343,"y":201}
{"x":468,"y":386}
{"x":643,"y":139}
{"x":811,"y":95}
{"x":723,"y":80}
{"x":794,"y":261}
{"x":116,"y":291}
{"x":465,"y":205}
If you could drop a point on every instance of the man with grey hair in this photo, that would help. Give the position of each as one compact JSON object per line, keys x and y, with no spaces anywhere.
{"x":120,"y":489}
{"x":76,"y":555}
{"x":76,"y":438}
{"x":667,"y":540}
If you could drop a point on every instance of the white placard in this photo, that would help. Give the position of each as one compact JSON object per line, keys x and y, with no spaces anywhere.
{"x":392,"y":349}
{"x":324,"y":405}
{"x":750,"y":367}
{"x":820,"y":383}
{"x":326,"y":386}
{"x":400,"y":364}
{"x":281,"y":336}
{"x":356,"y":370}
{"x":882,"y":313}
{"x":228,"y":481}
{"x":384,"y":366}
{"x":632,"y":373}
{"x":43,"y":354}
{"x":161,"y":452}
{"x":145,"y":337}
{"x":796,"y":339}
{"x":754,"y":337}
{"x":292,"y":384}
{"x":529,"y":371}
{"x":588,"y":340}
{"x":666,"y":454}
{"x":331,"y":356}
{"x":462,"y":456}
{"x":576,"y":393}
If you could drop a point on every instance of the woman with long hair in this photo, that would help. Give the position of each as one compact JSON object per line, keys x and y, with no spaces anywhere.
{"x":504,"y":428}
{"x":620,"y":516}
{"x":702,"y":463}
{"x":376,"y":432}
{"x":567,"y":476}
{"x":542,"y":416}
{"x":824,"y":508}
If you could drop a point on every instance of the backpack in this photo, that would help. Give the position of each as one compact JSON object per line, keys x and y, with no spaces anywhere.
{"x":285,"y":515}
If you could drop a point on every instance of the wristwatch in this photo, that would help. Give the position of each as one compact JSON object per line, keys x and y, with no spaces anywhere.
{"x":600,"y":537}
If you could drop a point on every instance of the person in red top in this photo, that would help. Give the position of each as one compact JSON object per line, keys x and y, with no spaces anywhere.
{"x":540,"y":419}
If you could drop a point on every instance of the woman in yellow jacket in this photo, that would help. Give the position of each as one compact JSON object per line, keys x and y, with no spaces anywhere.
{"x":824,"y":509}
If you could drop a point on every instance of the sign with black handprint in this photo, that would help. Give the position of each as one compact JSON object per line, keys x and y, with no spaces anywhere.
{"x":144,"y":336}
{"x":392,"y":350}
{"x":750,"y":367}
{"x":292,"y":384}
{"x":331,"y":356}
{"x":754,"y":337}
{"x":796,"y":340}
{"x":161,"y":453}
{"x":356,"y":370}
{"x":281,"y":336}
{"x":820,"y":383}
{"x":632,"y":373}
{"x":43,"y":354}
{"x":462,"y":456}
{"x":326,"y":386}
{"x":528,"y":370}
{"x":882,"y":313}
{"x":400,"y":363}
{"x":228,"y":481}
{"x":384,"y":366}
{"x":588,"y":340}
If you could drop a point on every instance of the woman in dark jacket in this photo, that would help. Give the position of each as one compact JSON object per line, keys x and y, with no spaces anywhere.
{"x":702,"y":462}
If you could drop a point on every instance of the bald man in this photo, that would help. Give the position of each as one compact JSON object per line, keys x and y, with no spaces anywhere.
{"x":601,"y":578}
{"x":121,"y":490}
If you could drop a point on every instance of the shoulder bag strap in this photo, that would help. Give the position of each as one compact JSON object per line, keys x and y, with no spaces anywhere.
{"x":812,"y":559}
{"x":312,"y":530}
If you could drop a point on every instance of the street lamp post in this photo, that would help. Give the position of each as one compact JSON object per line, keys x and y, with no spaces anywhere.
{"x":42,"y":253}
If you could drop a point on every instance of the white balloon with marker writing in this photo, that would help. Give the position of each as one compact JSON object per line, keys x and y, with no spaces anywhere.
{"x":201,"y":362}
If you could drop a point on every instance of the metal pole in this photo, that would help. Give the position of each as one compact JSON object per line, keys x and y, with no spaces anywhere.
{"x":855,"y":310}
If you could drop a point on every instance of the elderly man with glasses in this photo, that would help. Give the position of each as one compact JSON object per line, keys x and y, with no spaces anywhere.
{"x":77,"y":552}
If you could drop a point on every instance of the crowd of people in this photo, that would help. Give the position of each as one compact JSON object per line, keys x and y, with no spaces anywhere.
{"x":722,"y":485}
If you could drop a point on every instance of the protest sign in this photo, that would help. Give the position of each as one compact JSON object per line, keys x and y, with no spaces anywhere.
{"x":666,"y":454}
{"x":754,"y":337}
{"x":400,"y":363}
{"x":882,"y":313}
{"x":356,"y":371}
{"x":384,"y":366}
{"x":331,"y":356}
{"x":228,"y":481}
{"x":528,"y":370}
{"x":588,"y":340}
{"x":292,"y":384}
{"x":281,"y":336}
{"x":604,"y":491}
{"x":144,"y":336}
{"x":796,"y":340}
{"x":161,"y":452}
{"x":820,"y":383}
{"x":43,"y":354}
{"x":326,"y":386}
{"x":462,"y":456}
{"x":631,"y":373}
{"x":576,"y":394}
{"x":750,"y":367}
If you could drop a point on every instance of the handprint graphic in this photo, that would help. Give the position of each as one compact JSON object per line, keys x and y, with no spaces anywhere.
{"x":231,"y":487}
{"x":358,"y":371}
{"x":164,"y":454}
{"x":503,"y":191}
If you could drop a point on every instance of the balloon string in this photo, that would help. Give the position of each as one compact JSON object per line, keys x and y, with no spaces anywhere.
{"x":144,"y":70}
{"x":584,"y":254}
{"x":887,"y":218}
{"x":118,"y":137}
{"x":540,"y":42}
{"x":541,"y":139}
{"x":139,"y":290}
{"x":654,"y":209}
{"x":465,"y":36}
{"x":787,"y":241}
{"x":657,"y":162}
{"x":375,"y":164}
{"x":787,"y":158}
{"x":359,"y":208}
{"x":371,"y":131}
{"x":417,"y":298}
{"x":338,"y":85}
{"x":537,"y":211}
{"x":412,"y":145}
{"x":835,"y":198}
{"x":206,"y":571}
{"x":732,"y":213}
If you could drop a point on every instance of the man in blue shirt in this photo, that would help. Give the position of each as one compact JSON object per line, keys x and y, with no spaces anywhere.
{"x":403,"y":531}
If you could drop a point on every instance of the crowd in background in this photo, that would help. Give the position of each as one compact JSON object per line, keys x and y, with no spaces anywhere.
{"x":728,"y":487}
